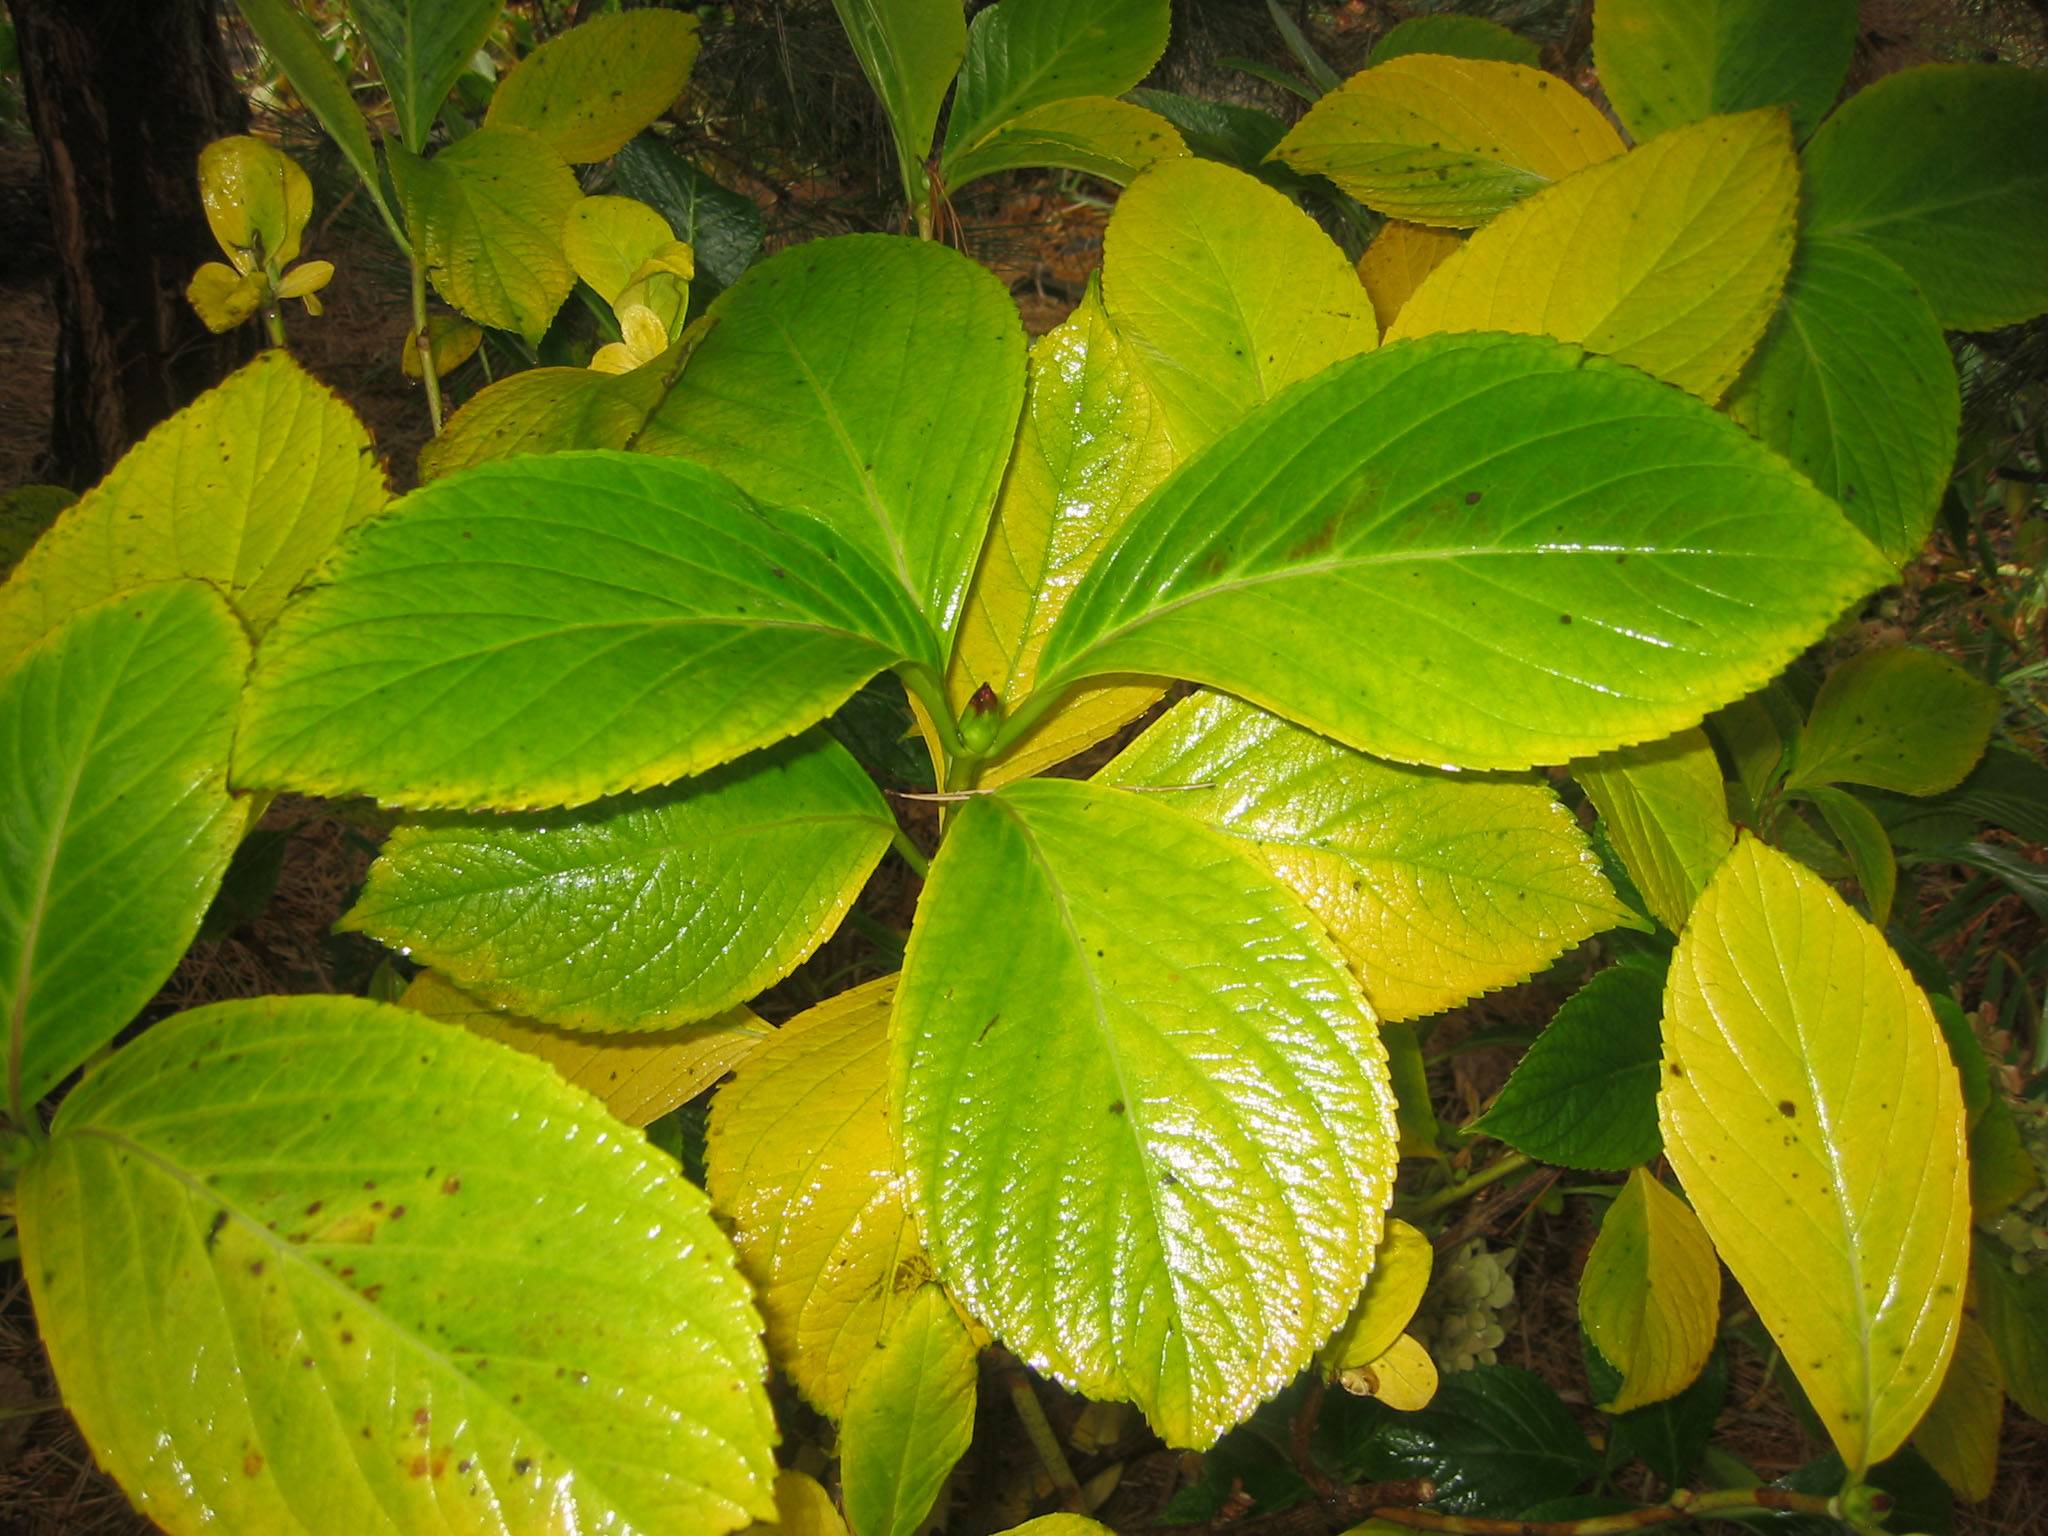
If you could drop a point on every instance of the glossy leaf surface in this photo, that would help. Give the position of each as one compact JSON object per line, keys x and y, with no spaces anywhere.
{"x":246,"y":489}
{"x":638,"y":1077}
{"x":908,"y":1419}
{"x":643,"y":912}
{"x":1901,"y":719}
{"x":324,"y":1265}
{"x":1939,"y":169}
{"x":421,"y":46}
{"x":1650,"y":1296}
{"x":116,"y":825}
{"x":1157,"y":1180}
{"x":1669,"y":258}
{"x":1615,"y":559}
{"x":1854,"y":385}
{"x":553,"y":630}
{"x":257,"y":201}
{"x":872,"y":380}
{"x":1452,"y":142}
{"x":1666,"y":809}
{"x":1667,"y":64}
{"x":802,"y":1165}
{"x":1802,"y":1061}
{"x":485,"y":215}
{"x":586,"y":91}
{"x":1436,"y":887}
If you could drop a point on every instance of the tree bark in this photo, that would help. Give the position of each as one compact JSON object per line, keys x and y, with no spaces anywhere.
{"x":122,"y":95}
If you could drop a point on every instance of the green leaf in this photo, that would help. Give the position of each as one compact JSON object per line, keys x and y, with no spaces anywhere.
{"x":2014,"y":1310}
{"x":26,"y":514}
{"x":308,"y":64}
{"x":1666,"y":810}
{"x":2008,"y":788}
{"x":1670,"y":1438}
{"x":1853,"y":383}
{"x":908,"y":1420}
{"x":1023,"y":55}
{"x":1224,"y":293}
{"x":554,"y":630}
{"x":1666,"y":64}
{"x":1095,"y":135}
{"x":1670,"y":257}
{"x":640,"y":913}
{"x":802,"y":1508}
{"x":1156,"y":1177}
{"x":1240,"y":137}
{"x":722,"y":227}
{"x":909,"y":50}
{"x":1461,"y":37}
{"x":486,"y":215}
{"x":1902,"y":719}
{"x":1448,"y":141}
{"x":1414,"y":1115}
{"x":324,"y":1265}
{"x":1650,"y":1295}
{"x":1585,"y":1094}
{"x":420,"y":47}
{"x":1810,"y":1108}
{"x":1959,"y":1436}
{"x":802,"y":1168}
{"x":1863,"y":839}
{"x":1612,"y":562}
{"x":874,"y":381}
{"x":1938,"y":168}
{"x":2001,"y":1170}
{"x":1436,"y":887}
{"x":116,"y":826}
{"x":588,"y":90}
{"x":551,"y":410}
{"x":1494,"y":1441}
{"x":246,"y":489}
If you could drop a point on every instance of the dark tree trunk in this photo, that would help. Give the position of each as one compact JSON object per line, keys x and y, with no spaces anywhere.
{"x":122,"y":94}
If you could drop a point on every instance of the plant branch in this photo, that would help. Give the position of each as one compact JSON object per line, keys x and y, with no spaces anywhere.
{"x":1684,"y":1505}
{"x":1503,"y":1167}
{"x":424,"y":343}
{"x":1038,"y":1429}
{"x":911,"y":854}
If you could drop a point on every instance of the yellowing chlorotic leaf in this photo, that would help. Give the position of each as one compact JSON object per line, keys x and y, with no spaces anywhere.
{"x":222,"y":297}
{"x":257,"y":201}
{"x":1670,"y":258}
{"x":486,"y":216}
{"x":451,"y":341}
{"x":1436,"y":886}
{"x":802,"y":1166}
{"x":1902,"y":719}
{"x":1400,"y":257}
{"x":1614,"y":562}
{"x":116,"y":825}
{"x":247,"y":489}
{"x":1092,"y":446}
{"x":1224,"y":293}
{"x":1812,"y":1111}
{"x":1404,"y":1378}
{"x":608,"y":239}
{"x":1059,"y":1525}
{"x":552,"y":630}
{"x":1450,"y":142}
{"x":1666,"y":809}
{"x":1157,"y":1177}
{"x":1400,"y":1274}
{"x":638,"y":1077}
{"x":1959,"y":1436}
{"x":588,"y":90}
{"x":1854,"y":384}
{"x":802,"y":1508}
{"x":1650,"y":1296}
{"x":1095,"y":135}
{"x":548,"y":410}
{"x":1665,"y":63}
{"x":324,"y":1265}
{"x":908,"y":1418}
{"x":642,"y":912}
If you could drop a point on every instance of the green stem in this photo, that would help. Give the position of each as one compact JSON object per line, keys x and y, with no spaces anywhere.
{"x":1684,"y":1505}
{"x":929,"y":690}
{"x":1505,"y":1166}
{"x":425,"y":344}
{"x":1038,"y":1430}
{"x":1018,"y":723}
{"x":911,"y":854}
{"x":273,"y":324}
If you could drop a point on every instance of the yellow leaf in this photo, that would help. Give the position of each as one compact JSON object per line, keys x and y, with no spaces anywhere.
{"x":1959,"y":1436}
{"x":678,"y":258}
{"x":1670,"y":258}
{"x":452,"y":340}
{"x":1650,"y":1297}
{"x":1059,"y":1525}
{"x":1404,"y":1378}
{"x":305,"y":280}
{"x":257,"y":201}
{"x":1812,"y":1111}
{"x":223,"y":297}
{"x":1400,"y":1274}
{"x":588,"y":90}
{"x":638,"y":1077}
{"x":802,"y":1167}
{"x":1092,"y":446}
{"x":802,"y":1508}
{"x":1400,"y":257}
{"x":644,"y":339}
{"x":1449,"y":142}
{"x":609,"y":239}
{"x":1666,"y":808}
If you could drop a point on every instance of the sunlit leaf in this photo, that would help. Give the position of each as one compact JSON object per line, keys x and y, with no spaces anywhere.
{"x":1095,"y":135}
{"x":1404,"y":1377}
{"x":549,"y":410}
{"x":1026,"y":54}
{"x":908,"y":1418}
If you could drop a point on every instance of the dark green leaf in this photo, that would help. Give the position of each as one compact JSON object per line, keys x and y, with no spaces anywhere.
{"x":1462,"y":37}
{"x":1494,"y":1441}
{"x":722,"y":227}
{"x":1217,"y":130}
{"x":1668,"y":1437}
{"x":420,"y":47}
